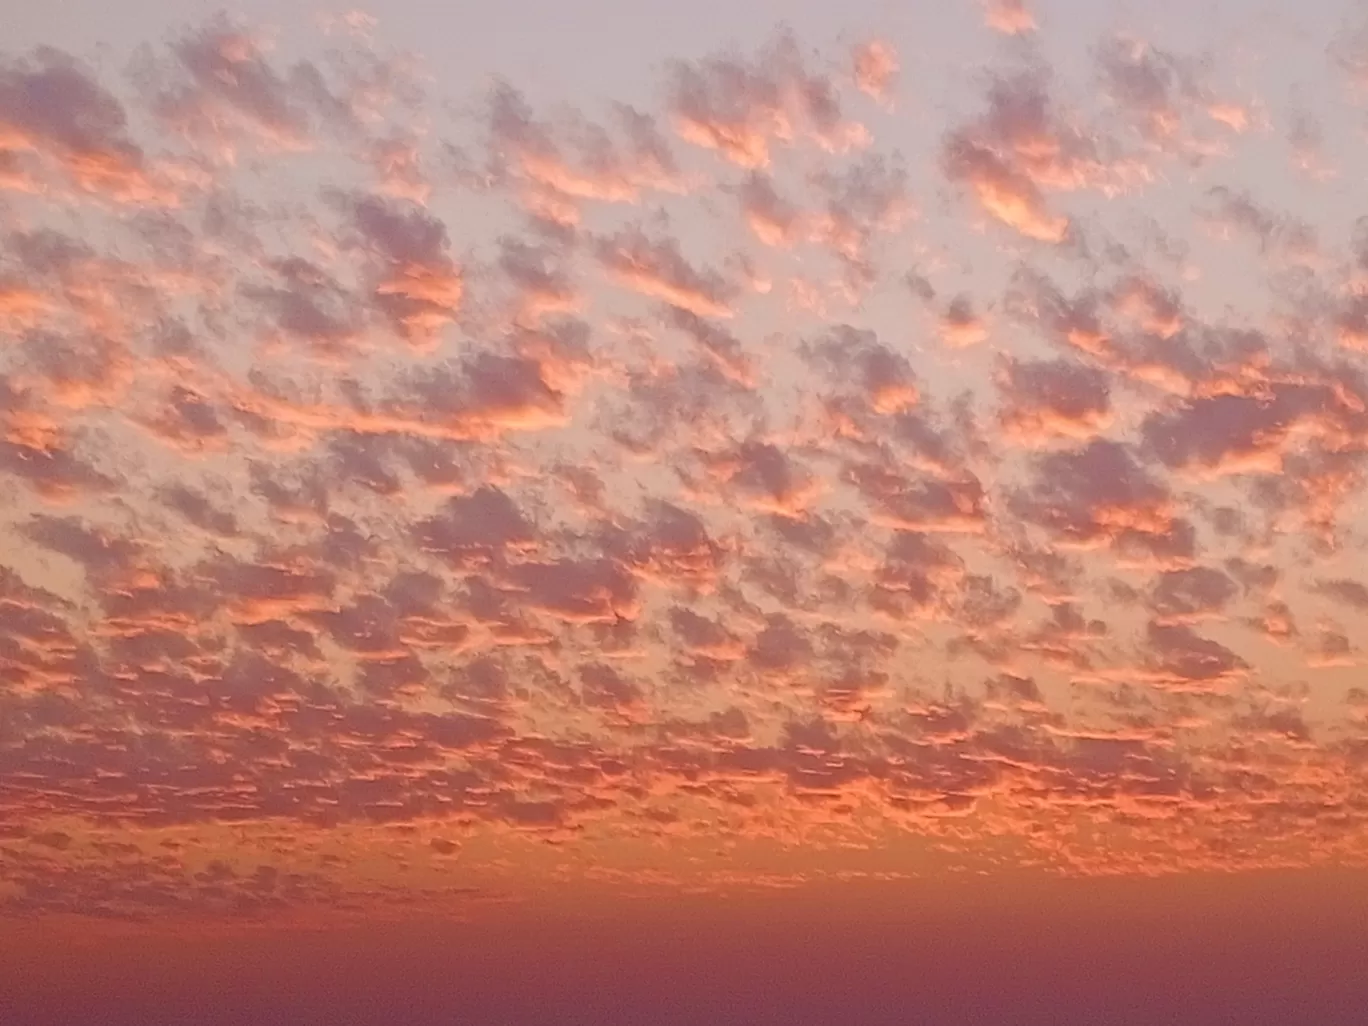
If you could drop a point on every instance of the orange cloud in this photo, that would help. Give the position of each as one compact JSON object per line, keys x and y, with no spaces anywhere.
{"x":1004,"y":193}
{"x":1011,"y":17}
{"x":742,"y":108}
{"x":657,"y":269}
{"x":55,"y":110}
{"x":876,"y":68}
{"x":416,"y":490}
{"x":1054,"y":401}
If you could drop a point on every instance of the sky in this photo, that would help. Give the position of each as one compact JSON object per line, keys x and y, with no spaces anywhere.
{"x":641,"y":512}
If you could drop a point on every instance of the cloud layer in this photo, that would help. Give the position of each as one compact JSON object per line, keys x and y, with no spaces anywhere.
{"x":460,"y":493}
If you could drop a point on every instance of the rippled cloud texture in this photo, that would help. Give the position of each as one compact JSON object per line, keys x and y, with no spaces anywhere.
{"x":806,"y":470}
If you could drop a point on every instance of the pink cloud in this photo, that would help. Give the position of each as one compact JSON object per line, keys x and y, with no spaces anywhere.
{"x":395,"y":487}
{"x":1011,"y":17}
{"x":55,"y":111}
{"x":1004,"y":193}
{"x":876,"y":68}
{"x":742,"y":108}
{"x":657,"y":269}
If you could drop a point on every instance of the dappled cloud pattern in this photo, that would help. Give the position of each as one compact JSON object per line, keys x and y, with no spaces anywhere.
{"x":414,"y":498}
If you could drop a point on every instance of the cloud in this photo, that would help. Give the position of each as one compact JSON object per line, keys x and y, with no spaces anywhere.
{"x":219,"y":87}
{"x":37,"y":449}
{"x":395,"y":479}
{"x":417,"y":286}
{"x":774,"y":222}
{"x":868,"y":200}
{"x":1348,"y":51}
{"x":544,"y":288}
{"x":1096,"y":493}
{"x":1004,"y":192}
{"x":960,"y":326}
{"x":1193,"y":592}
{"x":769,"y":479}
{"x":1239,"y":212}
{"x":1011,"y":17}
{"x":883,"y":378}
{"x":1053,"y":401}
{"x":55,"y":111}
{"x":1188,"y":660}
{"x":310,"y":306}
{"x":1026,"y":144}
{"x":1347,"y":592}
{"x":953,"y":506}
{"x":474,"y":530}
{"x":1238,"y":433}
{"x":741,"y":107}
{"x":598,"y":591}
{"x":657,"y":269}
{"x":876,"y":68}
{"x":915,"y":574}
{"x":563,"y":166}
{"x":22,"y":307}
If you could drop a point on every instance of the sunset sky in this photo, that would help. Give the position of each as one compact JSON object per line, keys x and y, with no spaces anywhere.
{"x":605,"y":511}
